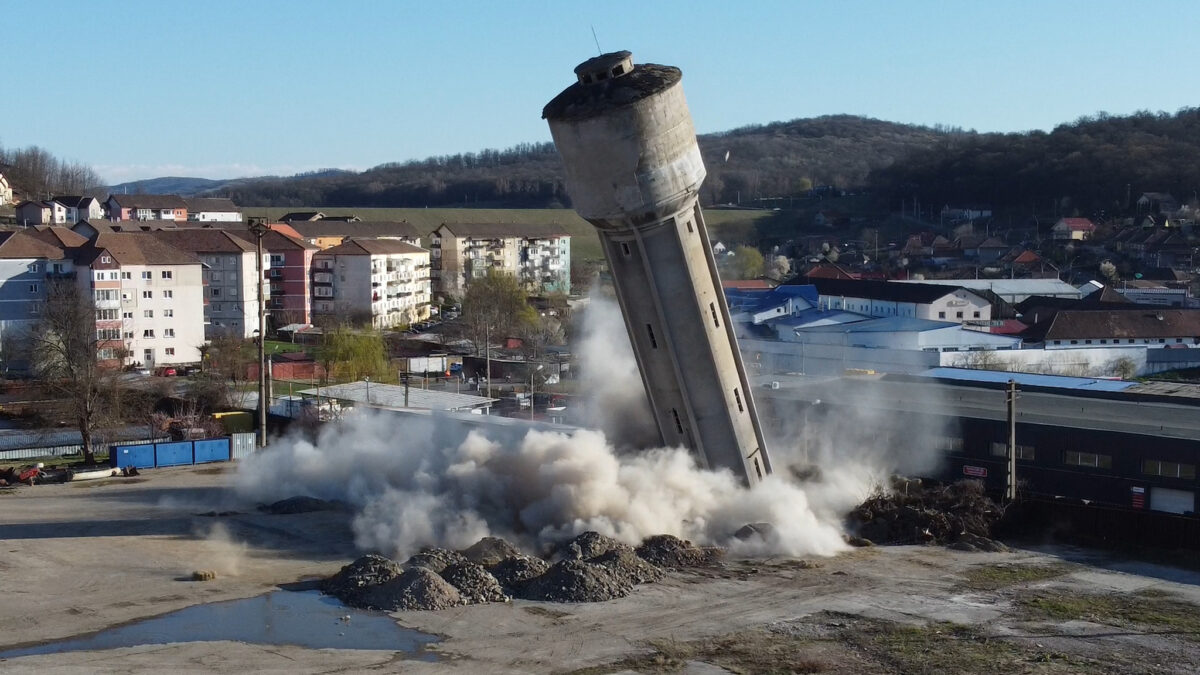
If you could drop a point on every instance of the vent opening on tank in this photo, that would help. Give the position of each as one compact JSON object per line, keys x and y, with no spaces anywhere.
{"x":712,"y":308}
{"x":650,"y":331}
{"x":625,"y":249}
{"x":737,"y":396}
{"x":757,"y":468}
{"x":618,"y":70}
{"x":678,"y":424}
{"x":689,"y":224}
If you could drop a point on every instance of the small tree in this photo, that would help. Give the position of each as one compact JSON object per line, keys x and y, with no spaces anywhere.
{"x":66,"y":356}
{"x":746,"y":263}
{"x":497,"y":304}
{"x":352,"y":355}
{"x":779,"y":268}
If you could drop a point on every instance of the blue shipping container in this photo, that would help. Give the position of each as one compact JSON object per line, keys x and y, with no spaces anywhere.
{"x":213,"y":450}
{"x":139,"y":456}
{"x":173,"y":454}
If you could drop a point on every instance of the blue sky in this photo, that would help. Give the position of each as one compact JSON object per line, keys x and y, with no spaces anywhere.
{"x":232,"y":88}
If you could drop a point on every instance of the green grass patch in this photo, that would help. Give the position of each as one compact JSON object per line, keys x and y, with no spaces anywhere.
{"x":281,"y":347}
{"x":993,"y":577}
{"x":1148,"y":610}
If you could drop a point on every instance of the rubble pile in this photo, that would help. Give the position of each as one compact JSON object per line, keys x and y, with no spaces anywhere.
{"x":574,"y":580}
{"x":474,"y":583}
{"x":301,"y":504}
{"x":665,"y":550}
{"x":915,"y":513}
{"x":514,"y":571}
{"x":490,"y":551}
{"x":352,"y":580}
{"x":436,"y":559}
{"x":416,"y":588}
{"x":589,"y":545}
{"x":625,"y":564}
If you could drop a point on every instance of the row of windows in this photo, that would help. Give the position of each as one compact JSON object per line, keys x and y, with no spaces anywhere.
{"x":1129,"y":341}
{"x":959,"y":315}
{"x":108,"y":294}
{"x":1154,"y":467}
{"x":146,"y":275}
{"x":1023,"y":451}
{"x":1150,"y":467}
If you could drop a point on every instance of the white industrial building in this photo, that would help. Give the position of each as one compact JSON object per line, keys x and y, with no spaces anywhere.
{"x":1011,"y":291}
{"x":915,"y":300}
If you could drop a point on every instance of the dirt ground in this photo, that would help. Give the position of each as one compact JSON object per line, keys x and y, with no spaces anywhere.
{"x":79,"y":558}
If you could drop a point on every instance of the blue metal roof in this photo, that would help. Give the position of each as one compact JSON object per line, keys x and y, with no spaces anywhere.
{"x":1029,"y":379}
{"x":749,"y":300}
{"x":888,"y":324}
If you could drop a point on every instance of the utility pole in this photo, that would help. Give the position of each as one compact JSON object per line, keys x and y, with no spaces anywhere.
{"x":258,"y":227}
{"x":1010,"y":491}
{"x":487,"y":357}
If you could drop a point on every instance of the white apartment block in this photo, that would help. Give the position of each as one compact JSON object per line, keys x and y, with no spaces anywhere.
{"x":385,"y":281}
{"x":538,"y":255}
{"x":229,"y":274}
{"x":148,"y":298}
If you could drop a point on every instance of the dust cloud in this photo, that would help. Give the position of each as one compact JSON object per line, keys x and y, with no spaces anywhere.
{"x":419,"y":480}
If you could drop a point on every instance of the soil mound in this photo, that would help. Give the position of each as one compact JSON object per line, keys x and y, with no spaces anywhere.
{"x":301,"y":504}
{"x":574,"y":580}
{"x":627,"y":566}
{"x":417,"y":588}
{"x":352,"y":580}
{"x":474,"y":583}
{"x":589,"y":545}
{"x":436,"y":559}
{"x":665,"y":550}
{"x":513,"y":572}
{"x":912,"y":512}
{"x":490,"y":551}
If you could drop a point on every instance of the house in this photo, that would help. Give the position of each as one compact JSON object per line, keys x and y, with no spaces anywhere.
{"x":40,"y":213}
{"x":1145,"y":327}
{"x":146,"y":207}
{"x":539,"y":255}
{"x":1157,"y":202}
{"x":289,"y":263}
{"x":329,"y":233}
{"x":148,"y":296}
{"x":295,"y":216}
{"x":383,"y":281}
{"x":28,"y":262}
{"x":904,"y":299}
{"x":80,"y":208}
{"x":230,"y":273}
{"x":990,"y":250}
{"x":1073,"y":229}
{"x":6,"y":193}
{"x":213,"y":209}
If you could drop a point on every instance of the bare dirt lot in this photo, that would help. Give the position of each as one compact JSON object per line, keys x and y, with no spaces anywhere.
{"x":76,"y":559}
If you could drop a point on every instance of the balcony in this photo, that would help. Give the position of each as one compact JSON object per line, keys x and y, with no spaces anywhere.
{"x":322,"y":278}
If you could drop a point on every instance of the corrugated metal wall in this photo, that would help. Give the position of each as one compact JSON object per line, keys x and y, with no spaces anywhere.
{"x":243,"y":445}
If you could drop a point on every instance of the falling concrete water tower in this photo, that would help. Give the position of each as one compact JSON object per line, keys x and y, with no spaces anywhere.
{"x":634,"y":172}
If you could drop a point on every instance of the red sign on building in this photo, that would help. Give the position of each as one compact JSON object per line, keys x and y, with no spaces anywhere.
{"x":976,"y":471}
{"x":1137,"y":497}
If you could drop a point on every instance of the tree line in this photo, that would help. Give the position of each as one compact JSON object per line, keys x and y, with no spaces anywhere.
{"x":37,"y":174}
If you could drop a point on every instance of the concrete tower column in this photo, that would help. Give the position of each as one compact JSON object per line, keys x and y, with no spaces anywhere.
{"x":634,"y":170}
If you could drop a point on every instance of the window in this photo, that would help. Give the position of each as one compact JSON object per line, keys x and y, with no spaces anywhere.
{"x":108,"y":334}
{"x":169,"y":332}
{"x":1023,"y":451}
{"x":106,"y":315}
{"x":148,"y":333}
{"x":975,"y":314}
{"x":127,"y":275}
{"x":128,"y":335}
{"x":168,"y":274}
{"x":737,"y":396}
{"x":105,"y":259}
{"x":99,"y":276}
{"x":1154,"y":467}
{"x":35,"y":267}
{"x":276,"y":259}
{"x":233,"y":291}
{"x":170,"y":351}
{"x":214,"y":292}
{"x":146,"y":275}
{"x":941,"y":315}
{"x":112,"y":276}
{"x":168,"y":313}
{"x":958,"y":315}
{"x":107,"y":354}
{"x":1087,"y":459}
{"x":148,"y":313}
{"x":33,"y":288}
{"x":148,"y":294}
{"x":712,"y":308}
{"x":168,"y":294}
{"x":948,"y":444}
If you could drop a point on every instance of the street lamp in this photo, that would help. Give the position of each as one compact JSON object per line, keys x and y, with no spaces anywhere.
{"x":258,"y":228}
{"x":368,"y":381}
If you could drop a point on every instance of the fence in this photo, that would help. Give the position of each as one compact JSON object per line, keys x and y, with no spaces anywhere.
{"x":181,"y":453}
{"x":36,"y":452}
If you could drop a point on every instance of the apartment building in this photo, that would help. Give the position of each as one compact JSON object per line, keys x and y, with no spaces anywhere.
{"x":28,"y":262}
{"x":288,"y":263}
{"x":329,"y":233}
{"x":385,"y":281}
{"x":146,"y":207}
{"x":148,"y":298}
{"x":229,"y":274}
{"x":538,"y":255}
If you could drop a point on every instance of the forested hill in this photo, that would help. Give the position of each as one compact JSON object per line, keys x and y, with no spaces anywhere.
{"x":1095,"y":166}
{"x":779,"y":159}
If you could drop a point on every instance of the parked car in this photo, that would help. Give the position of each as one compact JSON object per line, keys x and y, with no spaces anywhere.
{"x":166,"y":371}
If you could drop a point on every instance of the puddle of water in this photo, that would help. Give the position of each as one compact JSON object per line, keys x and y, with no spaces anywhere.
{"x":305,"y":619}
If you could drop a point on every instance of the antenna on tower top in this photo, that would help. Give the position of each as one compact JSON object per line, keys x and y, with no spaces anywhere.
{"x":598,"y":50}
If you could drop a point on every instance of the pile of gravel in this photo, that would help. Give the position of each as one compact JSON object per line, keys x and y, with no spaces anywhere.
{"x":577,"y":581}
{"x":490,"y":551}
{"x":301,"y":504}
{"x":474,"y":583}
{"x":665,"y":550}
{"x":513,"y":572}
{"x":625,"y":564}
{"x":349,"y":584}
{"x":417,"y":588}
{"x":436,"y":559}
{"x":589,"y":545}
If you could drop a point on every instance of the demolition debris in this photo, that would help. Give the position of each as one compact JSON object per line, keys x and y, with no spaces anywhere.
{"x":913,"y":513}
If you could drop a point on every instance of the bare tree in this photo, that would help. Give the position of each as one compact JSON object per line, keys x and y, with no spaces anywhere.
{"x":75,"y":360}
